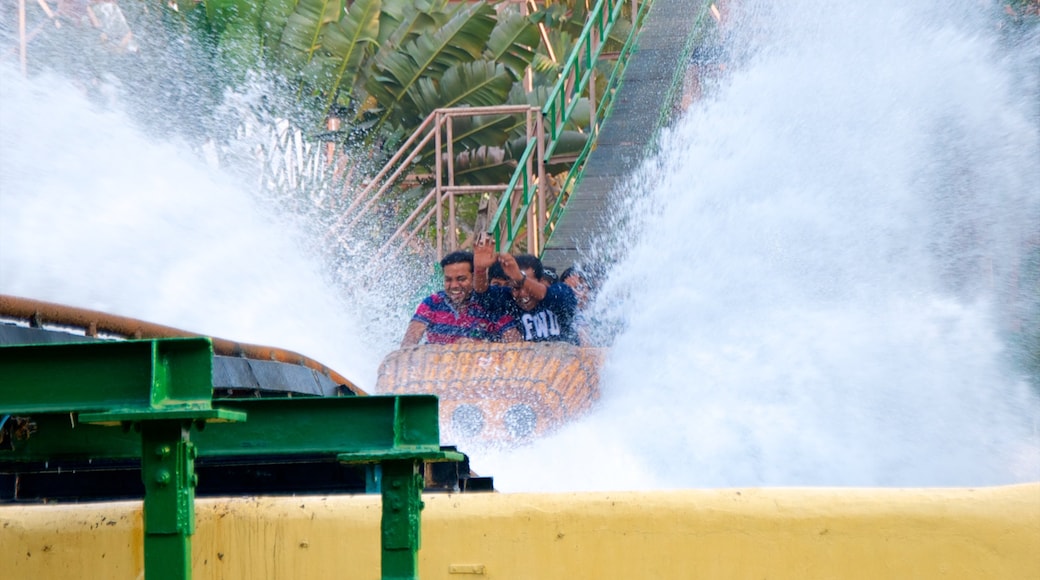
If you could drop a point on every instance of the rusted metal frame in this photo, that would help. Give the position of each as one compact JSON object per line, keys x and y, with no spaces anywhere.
{"x":395,"y":161}
{"x":28,"y":36}
{"x":452,"y":223}
{"x":534,"y":230}
{"x":408,"y":221}
{"x":39,"y":313}
{"x":524,"y":178}
{"x":397,"y":157}
{"x":438,"y":194}
{"x":404,"y":165}
{"x":438,"y":118}
{"x":450,"y":190}
{"x":430,"y":209}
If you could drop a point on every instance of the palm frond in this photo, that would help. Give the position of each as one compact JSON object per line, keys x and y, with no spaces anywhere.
{"x":347,"y":43}
{"x":461,"y":39}
{"x":302,"y":34}
{"x":511,"y":42}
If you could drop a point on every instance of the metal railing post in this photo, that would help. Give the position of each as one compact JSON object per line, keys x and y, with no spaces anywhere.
{"x":438,"y":175}
{"x":168,"y":474}
{"x":401,"y":523}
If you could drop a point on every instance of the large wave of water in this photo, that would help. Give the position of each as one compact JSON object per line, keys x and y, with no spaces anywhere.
{"x":96,"y":212}
{"x":817,"y":290}
{"x":822,"y":265}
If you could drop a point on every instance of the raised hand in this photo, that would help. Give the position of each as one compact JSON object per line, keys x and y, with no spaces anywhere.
{"x":509,"y":265}
{"x":483,"y":254}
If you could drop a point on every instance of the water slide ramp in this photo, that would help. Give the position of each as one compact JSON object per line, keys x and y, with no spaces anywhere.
{"x":647,"y":97}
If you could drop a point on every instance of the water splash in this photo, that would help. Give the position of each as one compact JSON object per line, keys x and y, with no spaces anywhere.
{"x":817,"y":292}
{"x":96,"y":213}
{"x":822,"y":268}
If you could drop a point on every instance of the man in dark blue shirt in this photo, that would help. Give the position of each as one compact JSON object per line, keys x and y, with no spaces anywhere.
{"x":545,"y":312}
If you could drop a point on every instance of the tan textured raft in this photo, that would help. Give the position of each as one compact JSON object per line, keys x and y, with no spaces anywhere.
{"x":498,"y":392}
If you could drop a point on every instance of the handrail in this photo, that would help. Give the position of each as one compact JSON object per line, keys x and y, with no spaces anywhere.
{"x":602,"y":112}
{"x":439,"y":129}
{"x":578,"y":74}
{"x":525,"y":197}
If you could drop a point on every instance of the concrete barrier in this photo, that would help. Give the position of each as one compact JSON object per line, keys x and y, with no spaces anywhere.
{"x":970,"y":534}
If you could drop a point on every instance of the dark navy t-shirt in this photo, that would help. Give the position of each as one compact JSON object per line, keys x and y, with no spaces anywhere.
{"x":552,"y":319}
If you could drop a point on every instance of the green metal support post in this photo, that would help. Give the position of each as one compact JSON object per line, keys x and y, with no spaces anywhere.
{"x":77,"y":395}
{"x":400,"y":525}
{"x":159,"y":388}
{"x":168,"y":473}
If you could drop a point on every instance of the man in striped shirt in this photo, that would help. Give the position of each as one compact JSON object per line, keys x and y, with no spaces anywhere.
{"x":456,"y":314}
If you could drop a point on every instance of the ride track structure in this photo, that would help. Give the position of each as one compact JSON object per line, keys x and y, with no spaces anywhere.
{"x":152,"y":400}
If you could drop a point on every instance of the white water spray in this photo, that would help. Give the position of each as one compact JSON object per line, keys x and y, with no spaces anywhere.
{"x":821,"y":269}
{"x":95,"y":213}
{"x":813,"y":297}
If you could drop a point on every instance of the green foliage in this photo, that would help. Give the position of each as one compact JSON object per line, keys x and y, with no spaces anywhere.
{"x":511,"y":43}
{"x":348,"y":42}
{"x":395,"y":73}
{"x":387,"y":64}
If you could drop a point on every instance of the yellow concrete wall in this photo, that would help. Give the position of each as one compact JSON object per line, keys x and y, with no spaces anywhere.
{"x":797,"y":534}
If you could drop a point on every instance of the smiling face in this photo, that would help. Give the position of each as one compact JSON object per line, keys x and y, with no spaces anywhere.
{"x":458,"y":282}
{"x":522,"y":297}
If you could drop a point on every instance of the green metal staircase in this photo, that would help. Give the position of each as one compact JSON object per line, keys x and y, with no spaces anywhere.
{"x":645,"y":94}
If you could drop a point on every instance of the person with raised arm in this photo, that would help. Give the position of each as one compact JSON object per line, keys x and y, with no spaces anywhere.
{"x":545,"y":312}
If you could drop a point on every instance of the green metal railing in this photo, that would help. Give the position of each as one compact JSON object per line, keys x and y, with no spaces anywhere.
{"x":528,"y":204}
{"x":577,"y":77}
{"x":152,"y":399}
{"x":575,"y":80}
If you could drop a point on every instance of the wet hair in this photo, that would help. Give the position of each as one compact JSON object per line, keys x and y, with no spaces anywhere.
{"x":573,"y":271}
{"x":496,"y":272}
{"x":458,"y":257}
{"x":525,"y":261}
{"x":550,"y":275}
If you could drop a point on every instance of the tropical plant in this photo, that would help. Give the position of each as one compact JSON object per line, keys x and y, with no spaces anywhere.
{"x":380,"y":65}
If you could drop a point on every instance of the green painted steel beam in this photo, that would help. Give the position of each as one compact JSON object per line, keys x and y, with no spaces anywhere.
{"x":159,"y":390}
{"x":136,"y":375}
{"x":168,"y":474}
{"x":161,"y":387}
{"x":360,"y":429}
{"x":400,"y":525}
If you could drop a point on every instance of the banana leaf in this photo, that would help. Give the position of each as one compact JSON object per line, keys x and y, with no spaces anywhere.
{"x":302,"y":34}
{"x":401,"y":23}
{"x":483,"y":166}
{"x":347,"y":43}
{"x":511,"y":42}
{"x":479,"y":84}
{"x":274,"y":16}
{"x":462,"y":39}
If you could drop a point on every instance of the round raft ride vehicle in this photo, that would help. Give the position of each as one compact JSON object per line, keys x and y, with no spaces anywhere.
{"x":498,"y":393}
